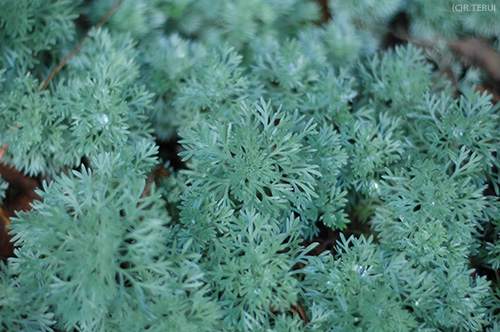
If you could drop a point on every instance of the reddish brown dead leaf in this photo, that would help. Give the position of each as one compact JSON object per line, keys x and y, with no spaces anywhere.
{"x":20,"y":194}
{"x":479,"y":53}
{"x":21,"y":188}
{"x":6,"y":247}
{"x":159,"y":172}
{"x":299,"y":310}
{"x":2,"y":150}
{"x":296,"y":309}
{"x":495,"y":98}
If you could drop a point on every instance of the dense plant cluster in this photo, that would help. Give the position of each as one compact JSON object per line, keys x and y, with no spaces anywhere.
{"x":289,"y":119}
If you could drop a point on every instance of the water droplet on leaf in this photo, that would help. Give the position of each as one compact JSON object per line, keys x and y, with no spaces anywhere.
{"x":103,"y":119}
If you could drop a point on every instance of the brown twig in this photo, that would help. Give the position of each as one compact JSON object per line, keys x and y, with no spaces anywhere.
{"x":79,"y":46}
{"x":479,"y":52}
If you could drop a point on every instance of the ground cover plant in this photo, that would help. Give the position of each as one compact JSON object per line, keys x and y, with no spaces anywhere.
{"x":266,"y":165}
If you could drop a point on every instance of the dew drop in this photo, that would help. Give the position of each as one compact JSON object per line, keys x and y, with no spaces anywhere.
{"x":360,"y":269}
{"x":103,"y":119}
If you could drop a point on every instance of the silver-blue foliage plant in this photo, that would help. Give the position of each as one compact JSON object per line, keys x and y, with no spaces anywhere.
{"x":285,"y":127}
